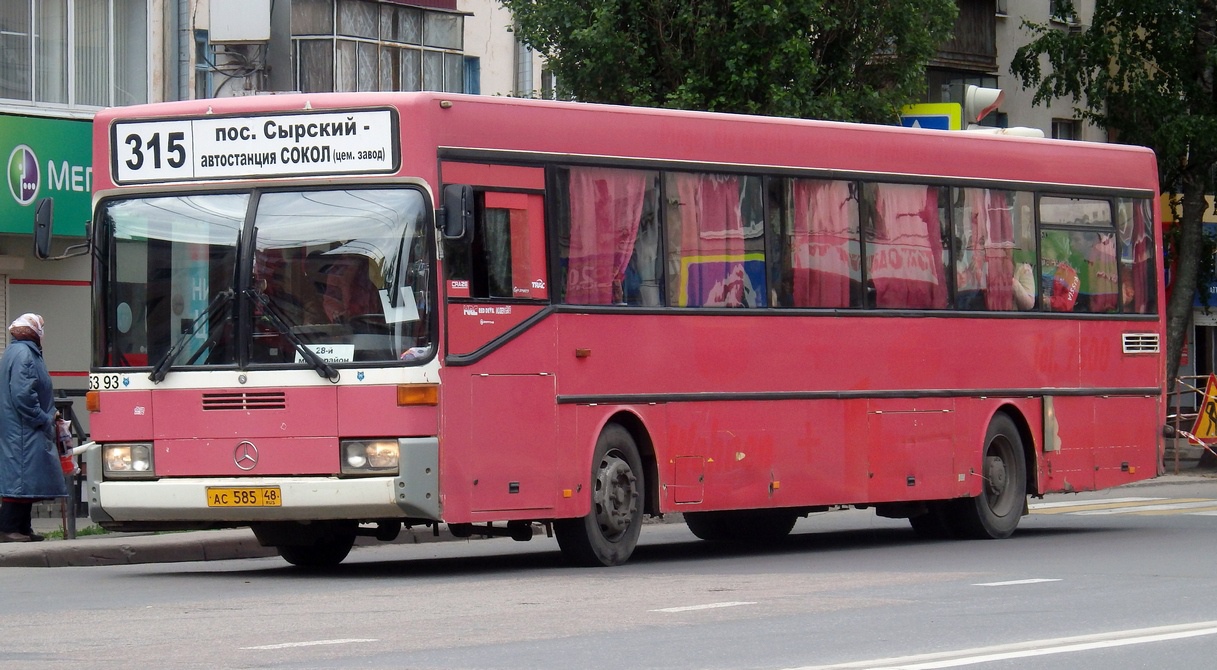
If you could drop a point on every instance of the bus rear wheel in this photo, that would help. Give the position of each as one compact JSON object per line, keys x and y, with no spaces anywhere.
{"x":609,"y":533}
{"x":995,"y":513}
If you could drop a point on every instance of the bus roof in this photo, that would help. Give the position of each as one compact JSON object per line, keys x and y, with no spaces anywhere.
{"x":432,"y":120}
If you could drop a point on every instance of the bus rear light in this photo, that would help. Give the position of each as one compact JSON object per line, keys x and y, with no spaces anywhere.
{"x":127,"y":461}
{"x":369,"y":457}
{"x":417,"y":394}
{"x":93,"y":401}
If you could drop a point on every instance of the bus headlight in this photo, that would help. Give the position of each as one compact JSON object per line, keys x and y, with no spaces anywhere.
{"x":127,"y":460}
{"x":369,"y":457}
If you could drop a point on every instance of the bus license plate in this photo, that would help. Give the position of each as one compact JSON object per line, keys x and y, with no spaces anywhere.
{"x":254,"y":496}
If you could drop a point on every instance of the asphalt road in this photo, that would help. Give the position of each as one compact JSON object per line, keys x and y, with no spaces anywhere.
{"x":1120,"y":579}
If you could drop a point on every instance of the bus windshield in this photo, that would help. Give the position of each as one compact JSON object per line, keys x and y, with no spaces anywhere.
{"x":340,"y":273}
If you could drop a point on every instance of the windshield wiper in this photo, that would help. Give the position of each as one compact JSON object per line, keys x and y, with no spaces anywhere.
{"x":162,"y":366}
{"x":271,"y":310}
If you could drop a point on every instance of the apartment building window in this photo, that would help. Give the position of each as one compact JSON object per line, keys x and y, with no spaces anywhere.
{"x":357,"y":45}
{"x":203,"y":65}
{"x":1066,"y":129}
{"x":88,"y":53}
{"x":523,"y":78}
{"x":1061,"y":10}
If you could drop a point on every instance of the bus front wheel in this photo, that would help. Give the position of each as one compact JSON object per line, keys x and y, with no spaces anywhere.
{"x":608,"y":534}
{"x":995,"y":513}
{"x":315,"y":545}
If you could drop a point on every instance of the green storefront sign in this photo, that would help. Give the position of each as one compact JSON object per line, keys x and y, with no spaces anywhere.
{"x":45,"y":157}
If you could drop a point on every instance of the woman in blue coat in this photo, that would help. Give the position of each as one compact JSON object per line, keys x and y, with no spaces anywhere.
{"x":29,"y":460}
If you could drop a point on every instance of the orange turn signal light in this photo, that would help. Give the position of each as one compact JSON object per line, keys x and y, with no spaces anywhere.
{"x":417,"y":394}
{"x":93,"y":401}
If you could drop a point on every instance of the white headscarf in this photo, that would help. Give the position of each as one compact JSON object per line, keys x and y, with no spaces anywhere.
{"x":28,"y":320}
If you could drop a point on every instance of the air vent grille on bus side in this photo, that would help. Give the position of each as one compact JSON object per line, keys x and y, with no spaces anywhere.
{"x":245,"y":400}
{"x":1140,"y":343}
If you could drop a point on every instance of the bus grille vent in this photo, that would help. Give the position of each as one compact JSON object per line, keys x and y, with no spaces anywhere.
{"x":245,"y":400}
{"x":1140,"y":343}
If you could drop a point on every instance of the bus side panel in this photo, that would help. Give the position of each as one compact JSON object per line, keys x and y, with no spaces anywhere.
{"x":756,"y":454}
{"x":912,"y":449}
{"x":1099,"y":442}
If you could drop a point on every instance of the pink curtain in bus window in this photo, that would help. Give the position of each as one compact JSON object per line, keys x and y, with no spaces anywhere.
{"x":605,"y":209}
{"x":712,"y":241}
{"x":999,"y":251}
{"x":1142,"y":253}
{"x":905,"y":263}
{"x":825,"y":244}
{"x":1101,"y":268}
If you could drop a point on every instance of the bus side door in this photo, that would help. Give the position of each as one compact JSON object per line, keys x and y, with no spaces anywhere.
{"x":500,"y":408}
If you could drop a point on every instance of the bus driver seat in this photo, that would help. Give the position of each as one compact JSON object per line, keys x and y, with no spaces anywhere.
{"x":349,"y":291}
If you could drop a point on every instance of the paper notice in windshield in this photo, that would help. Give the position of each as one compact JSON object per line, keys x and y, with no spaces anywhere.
{"x":330,"y":353}
{"x":314,"y":143}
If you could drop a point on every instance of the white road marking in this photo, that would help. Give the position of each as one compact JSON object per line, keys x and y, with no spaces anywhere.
{"x":1005,"y":652}
{"x":313,"y":643}
{"x":1018,"y":582}
{"x":1148,"y":508}
{"x":707,"y":606}
{"x":1074,"y":503}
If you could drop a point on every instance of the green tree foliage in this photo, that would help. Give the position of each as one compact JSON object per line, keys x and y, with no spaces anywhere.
{"x":855,"y":60}
{"x":1144,"y":70}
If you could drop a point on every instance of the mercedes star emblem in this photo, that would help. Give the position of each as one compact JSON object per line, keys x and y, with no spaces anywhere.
{"x":245,"y":455}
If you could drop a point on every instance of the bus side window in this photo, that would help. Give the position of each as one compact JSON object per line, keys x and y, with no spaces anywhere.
{"x":816,"y":252}
{"x":904,"y":260}
{"x":715,"y":240}
{"x":1135,"y":227}
{"x":505,"y":256}
{"x":1078,"y":264}
{"x":994,"y":251}
{"x":608,"y":236}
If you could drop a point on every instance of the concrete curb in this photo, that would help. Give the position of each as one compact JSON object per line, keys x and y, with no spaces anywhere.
{"x":189,"y":546}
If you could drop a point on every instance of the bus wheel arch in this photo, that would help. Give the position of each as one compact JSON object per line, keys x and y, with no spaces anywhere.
{"x":995,"y":512}
{"x":646,"y":451}
{"x":608,"y":534}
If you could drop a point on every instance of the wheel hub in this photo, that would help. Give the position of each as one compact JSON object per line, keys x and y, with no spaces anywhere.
{"x":995,"y":475}
{"x":616,"y":496}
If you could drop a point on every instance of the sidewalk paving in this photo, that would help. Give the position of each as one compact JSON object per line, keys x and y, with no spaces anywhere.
{"x":218,"y":545}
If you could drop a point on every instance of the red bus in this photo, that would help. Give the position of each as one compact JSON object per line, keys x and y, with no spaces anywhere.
{"x":333,"y":315}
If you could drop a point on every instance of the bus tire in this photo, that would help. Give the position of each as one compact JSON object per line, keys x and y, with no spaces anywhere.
{"x":325,"y":550}
{"x":756,"y":526}
{"x":608,"y":534}
{"x":995,"y":513}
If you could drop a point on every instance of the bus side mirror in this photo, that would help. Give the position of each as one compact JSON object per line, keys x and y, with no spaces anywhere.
{"x":43,"y":213}
{"x":457,"y":220}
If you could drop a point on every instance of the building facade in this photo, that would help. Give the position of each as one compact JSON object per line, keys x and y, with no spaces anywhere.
{"x":65,"y":59}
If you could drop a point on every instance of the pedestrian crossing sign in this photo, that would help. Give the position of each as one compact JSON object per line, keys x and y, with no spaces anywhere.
{"x":1205,"y":429}
{"x":935,"y":115}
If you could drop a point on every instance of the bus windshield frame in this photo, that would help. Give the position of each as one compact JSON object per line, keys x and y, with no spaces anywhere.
{"x":265,"y":278}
